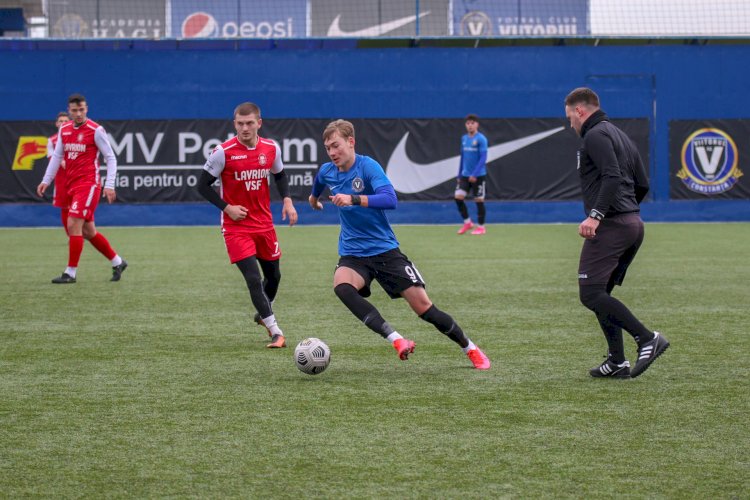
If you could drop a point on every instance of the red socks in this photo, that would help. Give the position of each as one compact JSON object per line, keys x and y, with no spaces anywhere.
{"x":75,"y":247}
{"x":102,"y":244}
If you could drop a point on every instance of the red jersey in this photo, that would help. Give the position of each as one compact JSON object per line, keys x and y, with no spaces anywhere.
{"x":244,"y":180}
{"x":80,"y":152}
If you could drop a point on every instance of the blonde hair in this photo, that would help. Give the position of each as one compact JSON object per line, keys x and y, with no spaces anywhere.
{"x":343,"y":127}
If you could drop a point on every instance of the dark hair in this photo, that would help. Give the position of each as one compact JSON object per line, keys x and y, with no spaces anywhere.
{"x":76,"y":99}
{"x":582,"y":95}
{"x":247,"y":108}
{"x":343,"y":127}
{"x":472,"y":117}
{"x":61,"y":114}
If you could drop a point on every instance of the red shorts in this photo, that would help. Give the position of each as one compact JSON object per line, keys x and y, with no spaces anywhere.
{"x":83,"y":201}
{"x":241,"y":245}
{"x":60,"y":194}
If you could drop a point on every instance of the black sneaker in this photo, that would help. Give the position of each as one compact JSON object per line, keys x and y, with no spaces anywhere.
{"x":118,"y":270}
{"x":610,"y":369}
{"x":648,"y":352}
{"x":65,"y":278}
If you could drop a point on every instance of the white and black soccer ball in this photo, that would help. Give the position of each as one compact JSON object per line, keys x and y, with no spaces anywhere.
{"x":312,"y":356}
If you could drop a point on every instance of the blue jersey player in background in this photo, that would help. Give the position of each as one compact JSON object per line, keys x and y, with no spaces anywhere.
{"x":472,"y":172}
{"x":368,"y":248}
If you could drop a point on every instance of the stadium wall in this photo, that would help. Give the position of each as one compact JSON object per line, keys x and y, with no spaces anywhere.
{"x":136,"y":79}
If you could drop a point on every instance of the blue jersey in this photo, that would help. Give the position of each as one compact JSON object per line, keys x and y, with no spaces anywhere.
{"x":364,"y":231}
{"x":471,"y":151}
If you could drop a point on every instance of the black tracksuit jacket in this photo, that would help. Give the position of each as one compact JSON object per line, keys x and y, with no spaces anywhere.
{"x":613,"y":178}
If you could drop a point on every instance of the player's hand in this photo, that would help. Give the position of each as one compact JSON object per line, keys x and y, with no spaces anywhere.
{"x":289,"y":211}
{"x":236,"y":212}
{"x":472,"y":179}
{"x":40,"y":189}
{"x":341,"y":200}
{"x":315,"y":203}
{"x":587,"y":228}
{"x":109,"y":193}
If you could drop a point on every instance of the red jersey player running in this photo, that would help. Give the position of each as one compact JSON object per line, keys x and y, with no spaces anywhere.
{"x":243,"y":164}
{"x":79,"y":143}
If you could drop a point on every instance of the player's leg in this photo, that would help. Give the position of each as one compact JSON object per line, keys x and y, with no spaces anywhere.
{"x":478,"y":189}
{"x":399,"y":277}
{"x":652,"y":346}
{"x":350,"y":282}
{"x":271,"y":277}
{"x":268,"y":253}
{"x":347,"y":283}
{"x":64,"y":218}
{"x":421,"y":304}
{"x":462,"y":185}
{"x":250,"y":271}
{"x":102,"y":245}
{"x":242,"y":249}
{"x":80,"y":200}
{"x":75,"y":248}
{"x":601,"y":267}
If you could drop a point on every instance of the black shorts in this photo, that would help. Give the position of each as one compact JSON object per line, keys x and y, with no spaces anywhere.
{"x":607,"y":257}
{"x":475,"y":189}
{"x":392,"y":269}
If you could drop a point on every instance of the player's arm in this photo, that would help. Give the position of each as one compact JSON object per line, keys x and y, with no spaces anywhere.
{"x":211,"y":171}
{"x":317,"y":190}
{"x":282,"y":185}
{"x":206,"y":190}
{"x":481,"y":162}
{"x":602,"y":152}
{"x":599,"y":147}
{"x":102,"y":142}
{"x":383,"y":199}
{"x":52,"y":167}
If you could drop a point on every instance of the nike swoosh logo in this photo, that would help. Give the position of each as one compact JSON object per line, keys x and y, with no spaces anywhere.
{"x":408,"y":177}
{"x":377,"y":30}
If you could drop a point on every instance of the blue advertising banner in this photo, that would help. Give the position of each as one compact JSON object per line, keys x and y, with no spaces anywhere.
{"x":235,"y":19}
{"x":523,"y":18}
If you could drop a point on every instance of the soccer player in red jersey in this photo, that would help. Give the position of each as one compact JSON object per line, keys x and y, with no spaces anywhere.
{"x":59,"y":195}
{"x":79,"y":143}
{"x":243,"y":164}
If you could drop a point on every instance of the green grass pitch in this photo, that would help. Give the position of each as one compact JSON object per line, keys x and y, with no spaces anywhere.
{"x":160,"y":385}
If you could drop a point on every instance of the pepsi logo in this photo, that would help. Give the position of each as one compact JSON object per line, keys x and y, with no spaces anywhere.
{"x":200,"y":25}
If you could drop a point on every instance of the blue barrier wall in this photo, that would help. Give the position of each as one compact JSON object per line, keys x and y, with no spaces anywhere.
{"x":309,"y":79}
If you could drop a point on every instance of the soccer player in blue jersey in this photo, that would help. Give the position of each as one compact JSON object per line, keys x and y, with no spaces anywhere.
{"x":472,"y":171}
{"x":368,"y":248}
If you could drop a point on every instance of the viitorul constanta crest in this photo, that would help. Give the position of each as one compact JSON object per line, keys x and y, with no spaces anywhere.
{"x":709,"y":162}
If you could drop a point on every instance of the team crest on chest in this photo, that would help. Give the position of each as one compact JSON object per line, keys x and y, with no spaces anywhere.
{"x":358,"y":185}
{"x":262,"y":160}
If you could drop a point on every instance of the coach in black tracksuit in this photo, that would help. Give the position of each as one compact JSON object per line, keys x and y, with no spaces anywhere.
{"x":614,"y":182}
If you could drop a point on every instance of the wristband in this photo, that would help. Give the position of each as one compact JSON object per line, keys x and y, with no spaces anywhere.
{"x":596,"y":214}
{"x":356,"y":200}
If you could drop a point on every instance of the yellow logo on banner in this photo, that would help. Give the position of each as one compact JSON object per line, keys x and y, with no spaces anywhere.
{"x":30,"y":148}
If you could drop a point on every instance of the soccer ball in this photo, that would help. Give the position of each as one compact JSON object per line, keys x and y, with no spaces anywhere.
{"x":312,"y":356}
